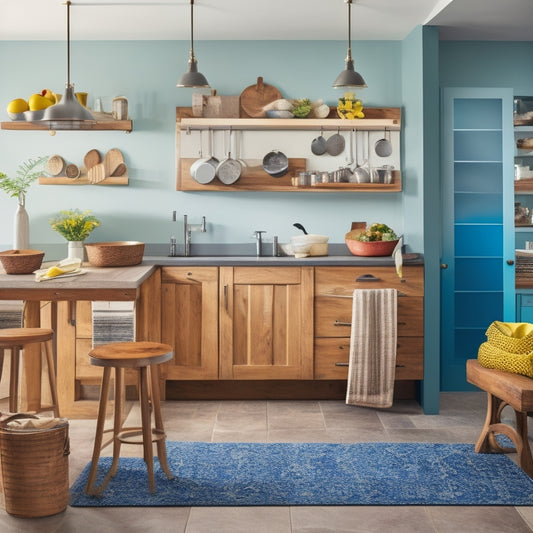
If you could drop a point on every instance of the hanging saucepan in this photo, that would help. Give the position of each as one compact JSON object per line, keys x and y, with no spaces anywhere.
{"x":229,"y":170}
{"x":383,"y":147}
{"x":335,"y":144}
{"x":276,"y":164}
{"x":201,"y":170}
{"x":318,"y":145}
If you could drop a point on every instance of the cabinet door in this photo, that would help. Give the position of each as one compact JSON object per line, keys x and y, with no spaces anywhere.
{"x":477,"y":283}
{"x":190,"y":321}
{"x":266,"y":323}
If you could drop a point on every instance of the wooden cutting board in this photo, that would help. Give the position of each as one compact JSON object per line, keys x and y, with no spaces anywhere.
{"x":112,"y":160}
{"x":257,"y":96}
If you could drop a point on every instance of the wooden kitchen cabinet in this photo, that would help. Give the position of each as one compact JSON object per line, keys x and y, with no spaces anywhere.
{"x":334,"y":287}
{"x":266,"y":323}
{"x":189,"y":322}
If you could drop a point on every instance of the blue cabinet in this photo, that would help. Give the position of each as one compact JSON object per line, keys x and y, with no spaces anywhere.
{"x":477,"y":176}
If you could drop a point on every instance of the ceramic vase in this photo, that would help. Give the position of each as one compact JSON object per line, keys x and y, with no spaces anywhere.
{"x":21,"y":226}
{"x":76,"y":250}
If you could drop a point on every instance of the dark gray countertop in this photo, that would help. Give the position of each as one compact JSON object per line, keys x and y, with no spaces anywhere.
{"x":330,"y":260}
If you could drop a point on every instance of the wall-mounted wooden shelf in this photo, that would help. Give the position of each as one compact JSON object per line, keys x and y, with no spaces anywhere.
{"x":254,"y":178}
{"x":104,"y":121}
{"x":375,"y":119}
{"x":523,"y":186}
{"x":83,"y":179}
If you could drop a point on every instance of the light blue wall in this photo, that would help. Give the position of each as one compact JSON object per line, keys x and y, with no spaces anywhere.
{"x":146,"y":73}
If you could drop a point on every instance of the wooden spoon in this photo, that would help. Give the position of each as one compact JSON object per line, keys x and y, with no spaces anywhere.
{"x":92,"y":158}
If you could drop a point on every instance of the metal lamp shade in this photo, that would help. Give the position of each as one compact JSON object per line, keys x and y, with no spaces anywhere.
{"x":68,"y":113}
{"x":349,"y":77}
{"x":192,"y":78}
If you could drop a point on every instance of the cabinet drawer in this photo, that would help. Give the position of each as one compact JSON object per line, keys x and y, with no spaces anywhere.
{"x":333,"y":316}
{"x":343,"y":280}
{"x":328,"y":352}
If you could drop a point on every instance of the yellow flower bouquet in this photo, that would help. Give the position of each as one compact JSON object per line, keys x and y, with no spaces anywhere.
{"x":74,"y":225}
{"x":349,"y":107}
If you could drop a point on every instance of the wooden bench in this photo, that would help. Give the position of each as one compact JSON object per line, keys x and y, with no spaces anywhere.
{"x":504,"y":388}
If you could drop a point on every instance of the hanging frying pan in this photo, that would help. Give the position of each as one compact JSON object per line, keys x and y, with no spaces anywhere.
{"x":335,"y":144}
{"x":318,"y":145}
{"x":228,"y":170}
{"x":383,"y":147}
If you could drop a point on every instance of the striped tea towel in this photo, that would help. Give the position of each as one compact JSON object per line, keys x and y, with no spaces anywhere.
{"x":372,"y":348}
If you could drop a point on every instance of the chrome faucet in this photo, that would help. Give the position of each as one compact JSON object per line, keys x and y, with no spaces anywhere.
{"x":259,"y":242}
{"x":187,"y":233}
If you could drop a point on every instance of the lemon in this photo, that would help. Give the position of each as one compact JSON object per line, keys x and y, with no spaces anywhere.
{"x":19,"y":105}
{"x":54,"y":271}
{"x":63,"y":267}
{"x":38,"y":102}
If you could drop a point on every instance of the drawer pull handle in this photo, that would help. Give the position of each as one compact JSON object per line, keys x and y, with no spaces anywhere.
{"x":226,"y":297}
{"x":367,"y":277}
{"x":339,"y":323}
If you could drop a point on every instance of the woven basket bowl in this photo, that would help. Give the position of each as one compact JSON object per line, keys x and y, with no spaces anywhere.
{"x":371,"y":249}
{"x":115,"y":254}
{"x":21,"y":261}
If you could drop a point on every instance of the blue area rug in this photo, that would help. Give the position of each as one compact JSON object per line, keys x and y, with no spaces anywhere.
{"x":238,"y":474}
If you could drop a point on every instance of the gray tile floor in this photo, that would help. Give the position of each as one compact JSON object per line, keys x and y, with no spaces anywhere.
{"x":460,"y":419}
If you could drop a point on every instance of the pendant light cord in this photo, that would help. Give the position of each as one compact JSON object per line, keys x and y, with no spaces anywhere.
{"x":192,"y":28}
{"x":68,"y":42}
{"x":349,"y":2}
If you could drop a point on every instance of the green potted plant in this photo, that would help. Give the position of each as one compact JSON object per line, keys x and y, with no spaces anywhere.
{"x":17,"y":187}
{"x":75,"y":226}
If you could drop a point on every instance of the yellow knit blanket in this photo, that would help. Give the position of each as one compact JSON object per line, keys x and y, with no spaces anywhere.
{"x":509,"y":347}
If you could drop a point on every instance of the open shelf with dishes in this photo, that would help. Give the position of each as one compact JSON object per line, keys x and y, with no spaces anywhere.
{"x":379,"y":123}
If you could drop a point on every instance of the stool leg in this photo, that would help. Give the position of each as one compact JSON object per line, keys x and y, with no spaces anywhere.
{"x":14,"y":379}
{"x":159,"y":429}
{"x":51,"y":376}
{"x":117,"y":424}
{"x":2,"y":351}
{"x":523,"y":449}
{"x":102,"y":408}
{"x":146,"y":428}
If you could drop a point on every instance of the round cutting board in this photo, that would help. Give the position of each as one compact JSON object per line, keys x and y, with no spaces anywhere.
{"x":257,"y":96}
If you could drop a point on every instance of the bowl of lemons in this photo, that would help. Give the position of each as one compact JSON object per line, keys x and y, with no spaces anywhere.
{"x":32,"y":108}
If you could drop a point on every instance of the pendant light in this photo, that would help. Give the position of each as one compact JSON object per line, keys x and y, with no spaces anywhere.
{"x":349,"y":77}
{"x":192,"y":78}
{"x":68,"y":114}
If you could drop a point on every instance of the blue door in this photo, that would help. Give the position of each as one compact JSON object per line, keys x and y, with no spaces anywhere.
{"x":477,"y":275}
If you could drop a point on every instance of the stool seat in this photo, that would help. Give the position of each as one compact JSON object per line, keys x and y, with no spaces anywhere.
{"x":18,"y":336}
{"x":130,"y":354}
{"x":145,"y":357}
{"x":16,"y":339}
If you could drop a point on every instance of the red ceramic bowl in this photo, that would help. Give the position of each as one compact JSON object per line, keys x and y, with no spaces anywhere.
{"x":371,"y":249}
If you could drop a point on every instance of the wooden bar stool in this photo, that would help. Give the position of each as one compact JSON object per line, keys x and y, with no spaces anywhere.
{"x":145,"y":357}
{"x":15,"y":339}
